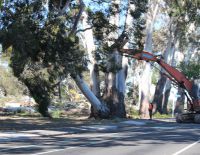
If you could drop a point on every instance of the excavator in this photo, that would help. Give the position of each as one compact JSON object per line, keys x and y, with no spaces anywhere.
{"x":191,"y":87}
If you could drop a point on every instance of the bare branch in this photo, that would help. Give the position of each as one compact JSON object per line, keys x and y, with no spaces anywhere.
{"x":83,"y":30}
{"x":82,"y":6}
{"x":65,"y":7}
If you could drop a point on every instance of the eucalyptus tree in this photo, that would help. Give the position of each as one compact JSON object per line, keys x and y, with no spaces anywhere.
{"x":164,"y":85}
{"x":47,"y":42}
{"x":107,"y":31}
{"x":145,"y":82}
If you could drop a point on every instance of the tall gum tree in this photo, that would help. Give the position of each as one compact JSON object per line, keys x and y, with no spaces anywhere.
{"x":114,"y":88}
{"x":145,"y":81}
{"x":88,"y":40}
{"x":163,"y":86}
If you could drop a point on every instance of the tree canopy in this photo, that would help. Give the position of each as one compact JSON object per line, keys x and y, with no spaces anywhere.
{"x":43,"y":45}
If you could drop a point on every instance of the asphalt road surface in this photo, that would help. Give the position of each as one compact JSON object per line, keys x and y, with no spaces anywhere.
{"x":133,"y":137}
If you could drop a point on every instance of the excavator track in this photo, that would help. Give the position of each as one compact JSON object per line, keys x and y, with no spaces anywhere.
{"x":197,"y":118}
{"x":186,"y":118}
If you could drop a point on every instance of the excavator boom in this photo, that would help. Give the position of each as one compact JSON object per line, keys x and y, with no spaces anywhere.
{"x":176,"y":75}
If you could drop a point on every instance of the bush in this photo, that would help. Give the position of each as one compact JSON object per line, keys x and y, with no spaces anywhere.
{"x":191,"y":70}
{"x":134,"y":113}
{"x":158,"y":115}
{"x":56,"y":113}
{"x":10,"y":84}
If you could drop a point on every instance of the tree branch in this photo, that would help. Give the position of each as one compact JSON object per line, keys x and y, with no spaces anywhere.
{"x":126,"y":16}
{"x":82,"y":5}
{"x":83,"y":30}
{"x":120,"y":41}
{"x":65,"y":7}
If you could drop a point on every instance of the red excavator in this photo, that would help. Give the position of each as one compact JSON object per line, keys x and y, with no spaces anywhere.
{"x":191,"y":87}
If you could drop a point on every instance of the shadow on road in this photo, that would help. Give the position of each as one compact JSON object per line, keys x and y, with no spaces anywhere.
{"x":156,"y":132}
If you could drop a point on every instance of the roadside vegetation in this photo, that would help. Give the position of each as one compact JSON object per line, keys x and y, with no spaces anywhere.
{"x":64,"y":57}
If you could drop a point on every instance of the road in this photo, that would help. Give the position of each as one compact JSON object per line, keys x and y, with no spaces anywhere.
{"x":138,"y":137}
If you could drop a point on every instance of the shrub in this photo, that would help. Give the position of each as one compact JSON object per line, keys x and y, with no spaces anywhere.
{"x":10,"y":84}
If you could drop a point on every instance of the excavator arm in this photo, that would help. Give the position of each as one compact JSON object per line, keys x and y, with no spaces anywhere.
{"x":174,"y":74}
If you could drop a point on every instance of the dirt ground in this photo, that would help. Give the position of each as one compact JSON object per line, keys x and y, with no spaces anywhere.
{"x":8,"y":123}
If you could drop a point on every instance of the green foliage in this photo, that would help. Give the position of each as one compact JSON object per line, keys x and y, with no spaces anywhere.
{"x":155,"y":76}
{"x":27,"y":114}
{"x":158,"y":115}
{"x":104,"y":31}
{"x":191,"y":70}
{"x":56,"y":113}
{"x":43,"y":47}
{"x":134,"y":113}
{"x":184,"y":13}
{"x":138,"y":22}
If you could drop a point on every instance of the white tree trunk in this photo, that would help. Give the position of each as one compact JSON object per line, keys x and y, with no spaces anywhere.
{"x":115,"y":85}
{"x":121,"y":82}
{"x":99,"y":107}
{"x":122,"y":74}
{"x":115,"y":80}
{"x":145,"y":82}
{"x":164,"y":85}
{"x":90,"y":46}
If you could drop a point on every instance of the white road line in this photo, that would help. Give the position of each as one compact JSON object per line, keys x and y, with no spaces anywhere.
{"x":186,"y":148}
{"x":56,"y":150}
{"x":107,"y":134}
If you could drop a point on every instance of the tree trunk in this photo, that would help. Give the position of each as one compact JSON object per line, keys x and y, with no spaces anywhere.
{"x":146,"y":76}
{"x":121,"y":80}
{"x":168,"y":82}
{"x":116,"y":73}
{"x":100,"y":109}
{"x":32,"y":76}
{"x":179,"y":108}
{"x":166,"y":96}
{"x":93,"y":67}
{"x":163,"y":86}
{"x":145,"y":91}
{"x":94,"y":85}
{"x":115,"y":85}
{"x":158,"y":96}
